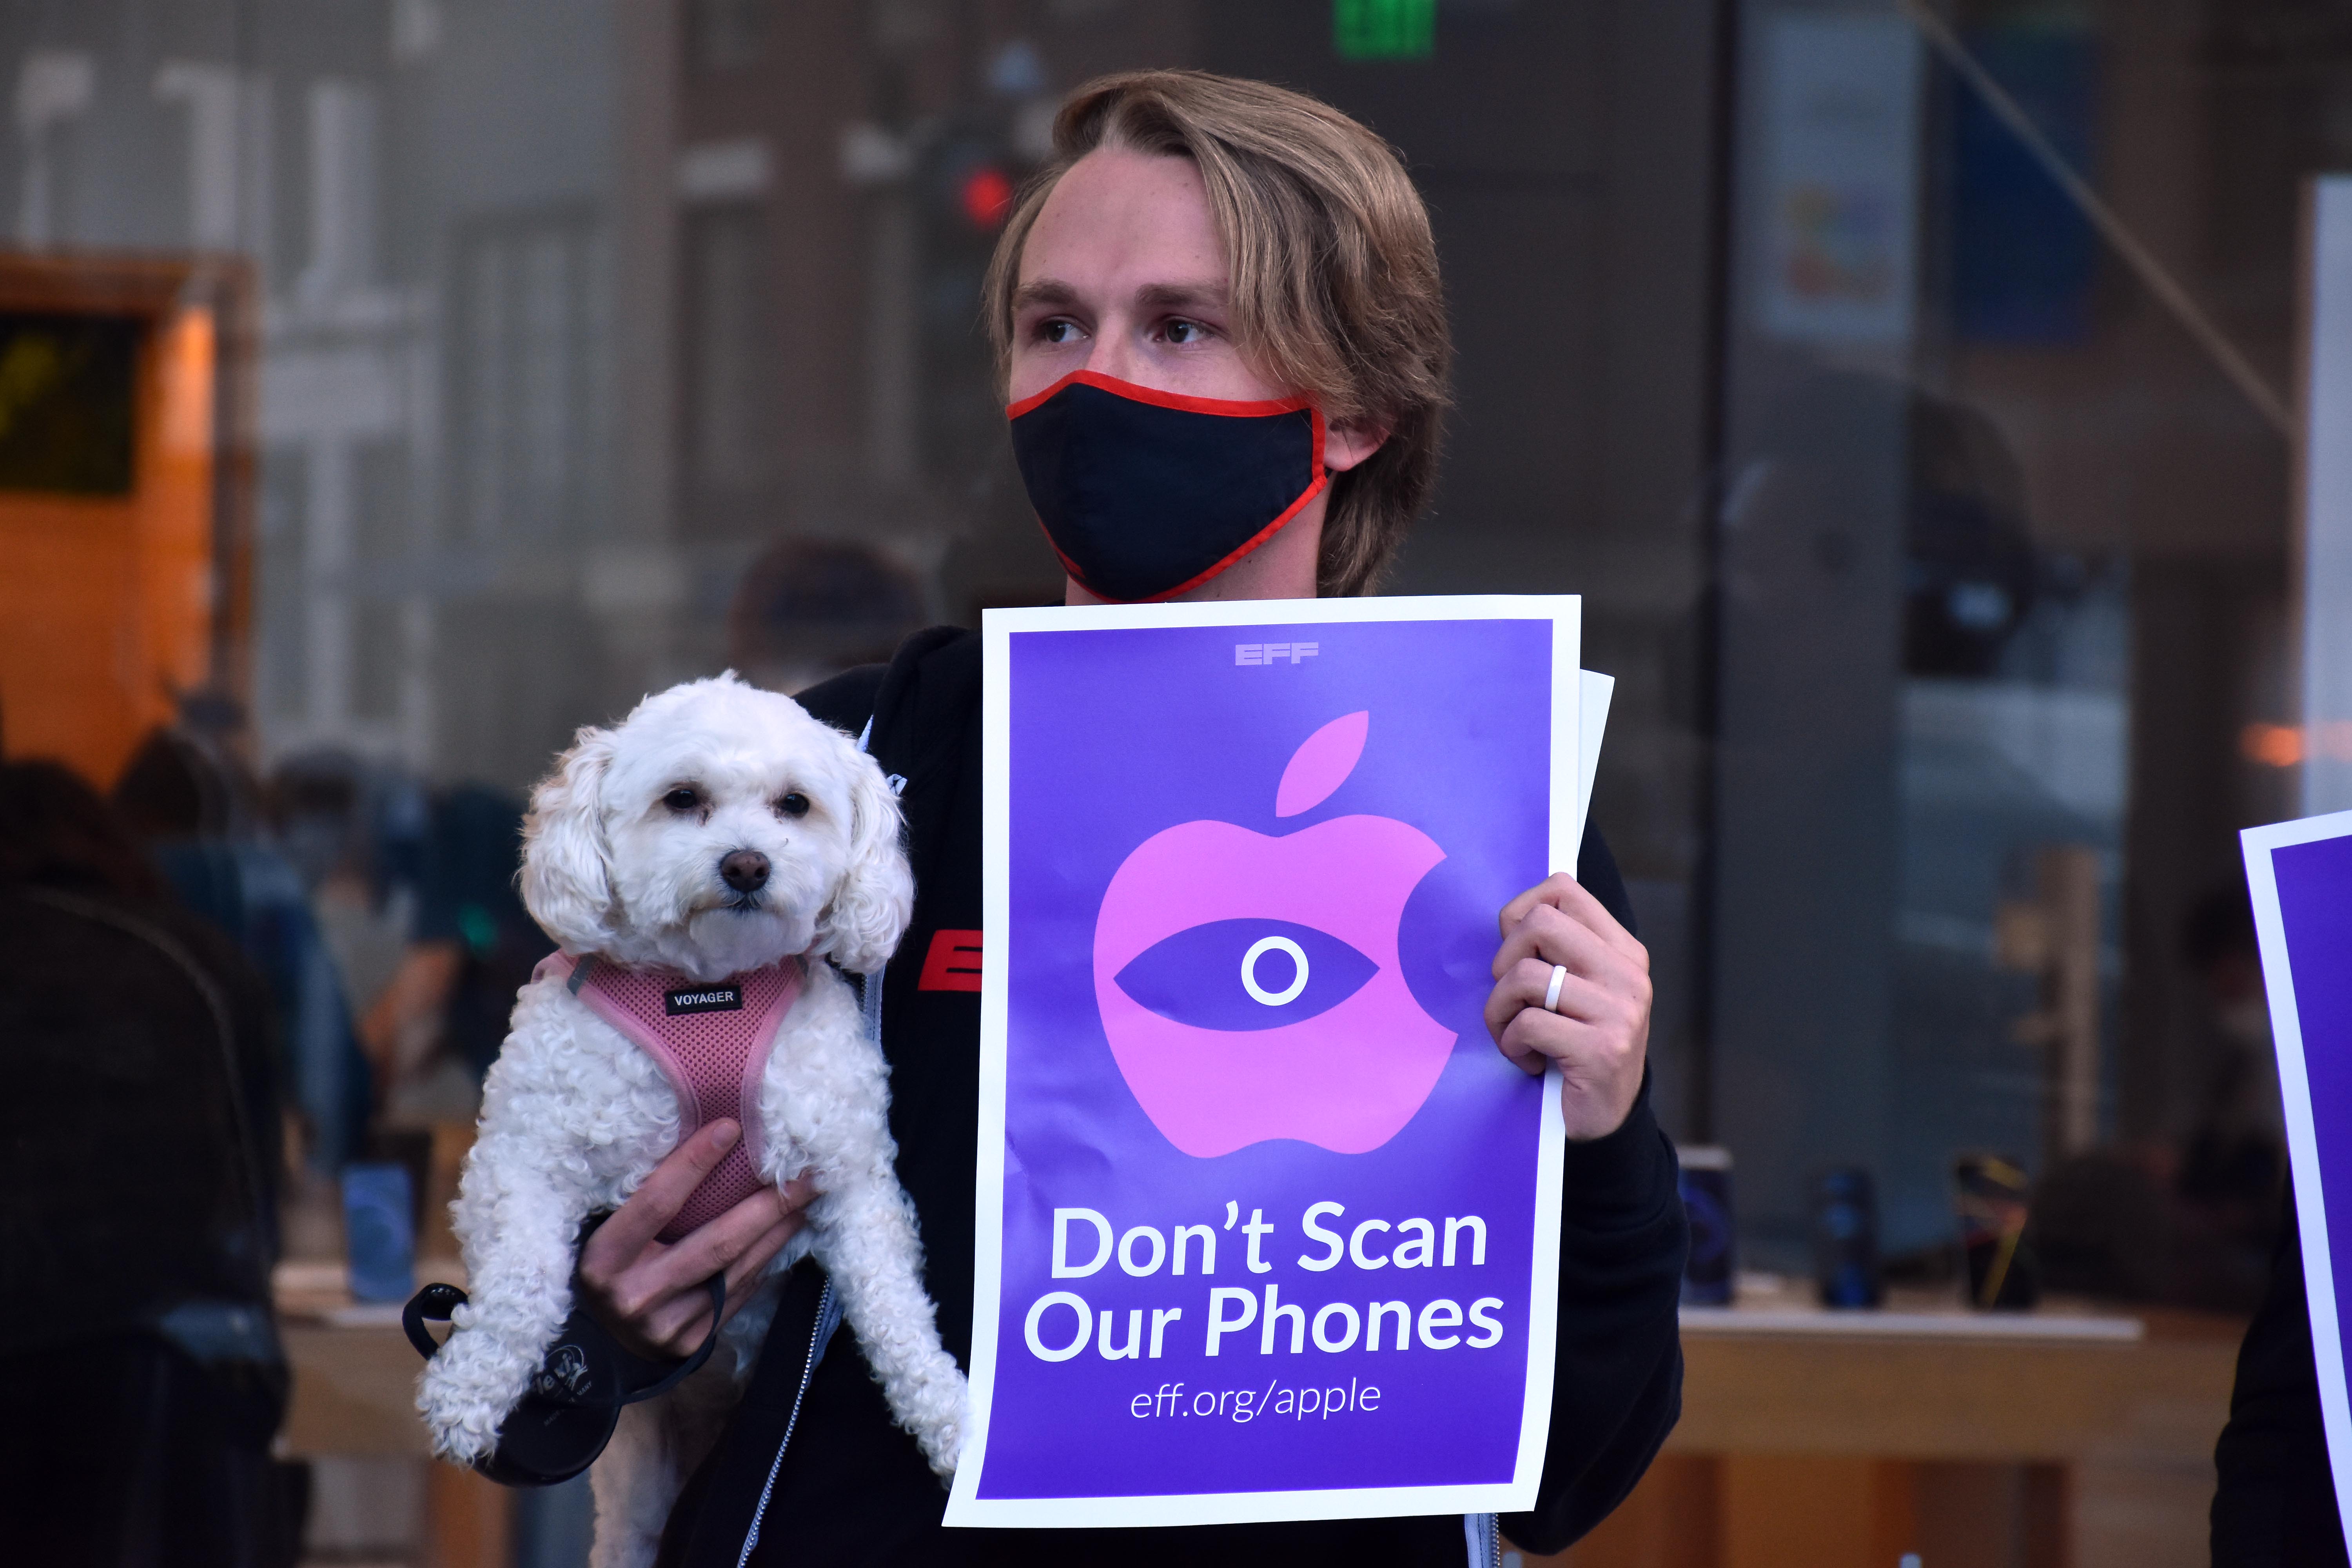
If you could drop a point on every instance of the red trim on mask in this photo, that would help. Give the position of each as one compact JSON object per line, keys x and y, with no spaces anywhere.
{"x":1229,"y":408}
{"x":1244,"y":409}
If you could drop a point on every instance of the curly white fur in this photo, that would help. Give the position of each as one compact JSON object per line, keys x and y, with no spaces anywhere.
{"x":574,"y":1115}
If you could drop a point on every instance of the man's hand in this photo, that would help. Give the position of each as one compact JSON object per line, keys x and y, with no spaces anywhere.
{"x":654,"y":1296}
{"x":1599,"y":1031}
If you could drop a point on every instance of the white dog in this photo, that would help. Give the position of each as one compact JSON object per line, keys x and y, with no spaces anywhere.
{"x":722,"y":841}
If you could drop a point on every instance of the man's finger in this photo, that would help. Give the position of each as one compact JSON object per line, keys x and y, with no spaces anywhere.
{"x":1524,"y":986}
{"x":1536,"y":1039}
{"x":1551,"y":936}
{"x":758,"y":1257}
{"x":799,"y":1192}
{"x":663,"y":1191}
{"x":1534,"y":1044}
{"x":1550,"y":891}
{"x":679,"y":1323}
{"x":717,"y":1244}
{"x":679,"y":1326}
{"x":689,"y":1307}
{"x":1566,"y":894}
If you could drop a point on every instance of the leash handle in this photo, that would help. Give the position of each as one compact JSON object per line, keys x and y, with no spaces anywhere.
{"x":433,"y":1304}
{"x":436,"y":1303}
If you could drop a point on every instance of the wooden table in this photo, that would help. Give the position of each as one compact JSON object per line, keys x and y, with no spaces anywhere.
{"x":1812,"y":1439}
{"x":1808,"y":1439}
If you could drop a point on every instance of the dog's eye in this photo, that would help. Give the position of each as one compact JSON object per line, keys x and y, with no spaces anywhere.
{"x":682,"y":800}
{"x":793,"y":804}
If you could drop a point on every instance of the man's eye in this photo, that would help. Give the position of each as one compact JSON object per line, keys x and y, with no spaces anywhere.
{"x":682,"y":800}
{"x":793,"y":804}
{"x":1185,"y":331}
{"x":1245,"y":974}
{"x":1058,"y":331}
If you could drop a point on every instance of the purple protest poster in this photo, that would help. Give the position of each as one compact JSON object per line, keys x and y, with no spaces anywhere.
{"x":2300,"y":874}
{"x":1267,"y":1227}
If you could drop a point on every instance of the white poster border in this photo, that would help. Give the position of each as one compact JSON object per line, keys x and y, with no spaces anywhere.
{"x":1574,"y":753}
{"x":2302,"y":1129}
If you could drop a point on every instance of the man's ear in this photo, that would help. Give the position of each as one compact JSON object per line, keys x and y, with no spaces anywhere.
{"x":567,"y":881}
{"x":1350,"y":442}
{"x":860,"y":929}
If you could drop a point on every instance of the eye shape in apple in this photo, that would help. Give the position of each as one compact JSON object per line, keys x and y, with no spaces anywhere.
{"x":1245,"y":974}
{"x":1347,"y":1076}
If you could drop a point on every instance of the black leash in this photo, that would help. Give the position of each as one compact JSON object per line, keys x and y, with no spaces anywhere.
{"x":567,"y":1413}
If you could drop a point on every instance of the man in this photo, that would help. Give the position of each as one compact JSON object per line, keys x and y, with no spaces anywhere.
{"x":1196,"y":240}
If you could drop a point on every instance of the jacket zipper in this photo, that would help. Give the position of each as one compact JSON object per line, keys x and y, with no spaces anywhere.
{"x":1483,"y":1534}
{"x":808,"y":1370}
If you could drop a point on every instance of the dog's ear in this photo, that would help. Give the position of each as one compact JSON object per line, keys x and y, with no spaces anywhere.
{"x":861,"y":926}
{"x":567,"y":882}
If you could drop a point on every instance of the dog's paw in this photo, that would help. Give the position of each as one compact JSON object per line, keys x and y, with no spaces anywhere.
{"x":942,"y":1440}
{"x":466,"y":1445}
{"x":943,"y":1449}
{"x":462,"y":1433}
{"x":461,"y":1405}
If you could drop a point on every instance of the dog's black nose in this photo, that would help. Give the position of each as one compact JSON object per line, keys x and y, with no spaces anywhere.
{"x":745,"y":870}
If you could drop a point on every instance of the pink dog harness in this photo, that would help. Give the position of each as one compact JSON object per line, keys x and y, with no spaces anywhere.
{"x":712,"y":1042}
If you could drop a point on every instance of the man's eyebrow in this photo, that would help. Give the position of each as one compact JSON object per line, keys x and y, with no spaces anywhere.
{"x":1177,"y":296}
{"x":1043,"y":291}
{"x":1053,"y":293}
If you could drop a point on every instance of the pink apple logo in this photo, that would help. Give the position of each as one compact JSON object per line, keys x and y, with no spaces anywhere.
{"x":1345,"y":1076}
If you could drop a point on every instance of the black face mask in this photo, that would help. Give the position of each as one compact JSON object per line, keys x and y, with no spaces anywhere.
{"x":1147,"y":494}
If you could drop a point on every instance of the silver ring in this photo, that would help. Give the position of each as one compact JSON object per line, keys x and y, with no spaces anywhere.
{"x":1551,"y":993}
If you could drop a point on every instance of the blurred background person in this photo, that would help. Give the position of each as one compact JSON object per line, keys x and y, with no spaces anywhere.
{"x":138,"y":1159}
{"x":355,"y":833}
{"x":188,"y":798}
{"x":806,"y":609}
{"x":2232,"y":1152}
{"x":438,"y":1024}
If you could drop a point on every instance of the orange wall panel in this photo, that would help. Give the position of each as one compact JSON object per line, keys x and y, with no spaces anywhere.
{"x":105,"y":606}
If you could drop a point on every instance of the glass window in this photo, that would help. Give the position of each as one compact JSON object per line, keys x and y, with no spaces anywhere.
{"x":1910,"y":388}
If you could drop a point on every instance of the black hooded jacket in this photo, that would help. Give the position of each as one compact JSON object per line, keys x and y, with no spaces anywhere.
{"x":2275,"y":1504}
{"x":851,"y":1488}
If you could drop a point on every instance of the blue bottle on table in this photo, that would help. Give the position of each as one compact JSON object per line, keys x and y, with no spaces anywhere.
{"x":380,"y":1232}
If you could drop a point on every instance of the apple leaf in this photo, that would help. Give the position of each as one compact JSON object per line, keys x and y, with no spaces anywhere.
{"x":1322,"y":765}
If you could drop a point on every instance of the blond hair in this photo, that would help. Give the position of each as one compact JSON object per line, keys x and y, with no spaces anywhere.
{"x":1335,"y":289}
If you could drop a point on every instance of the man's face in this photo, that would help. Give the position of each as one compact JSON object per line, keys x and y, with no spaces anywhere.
{"x":1124,"y":273}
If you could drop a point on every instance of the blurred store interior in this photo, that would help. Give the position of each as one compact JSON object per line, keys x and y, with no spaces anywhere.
{"x":388,"y":388}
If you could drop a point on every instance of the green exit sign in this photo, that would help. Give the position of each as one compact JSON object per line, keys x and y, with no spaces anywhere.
{"x":1384,"y":30}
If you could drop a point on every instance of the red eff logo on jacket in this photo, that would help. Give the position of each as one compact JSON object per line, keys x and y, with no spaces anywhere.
{"x":952,"y":963}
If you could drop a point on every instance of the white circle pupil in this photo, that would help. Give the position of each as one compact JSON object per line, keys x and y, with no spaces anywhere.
{"x":1259,"y":949}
